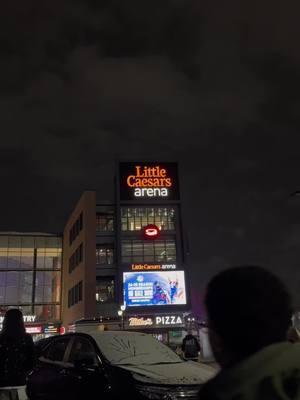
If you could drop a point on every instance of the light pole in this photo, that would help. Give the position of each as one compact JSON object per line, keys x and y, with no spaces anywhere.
{"x":121,"y":313}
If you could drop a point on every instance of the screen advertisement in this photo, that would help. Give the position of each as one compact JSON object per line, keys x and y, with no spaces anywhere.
{"x":148,"y":181}
{"x":154,"y":288}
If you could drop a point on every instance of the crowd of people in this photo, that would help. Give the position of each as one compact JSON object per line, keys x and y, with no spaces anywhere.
{"x":249,"y":314}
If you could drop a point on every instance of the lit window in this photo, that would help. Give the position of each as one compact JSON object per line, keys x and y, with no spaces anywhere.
{"x":134,"y":219}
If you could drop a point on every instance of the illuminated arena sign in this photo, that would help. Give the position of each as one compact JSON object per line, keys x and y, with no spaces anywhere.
{"x":141,"y":181}
{"x":152,"y":267}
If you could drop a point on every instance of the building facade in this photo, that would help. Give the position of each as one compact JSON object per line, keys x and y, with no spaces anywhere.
{"x":129,"y":252}
{"x":30,"y":279}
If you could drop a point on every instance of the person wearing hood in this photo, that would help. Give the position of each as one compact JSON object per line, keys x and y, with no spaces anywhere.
{"x":16,"y":351}
{"x":249,"y":313}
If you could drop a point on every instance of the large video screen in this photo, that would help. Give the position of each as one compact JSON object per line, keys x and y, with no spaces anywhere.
{"x":154,"y":288}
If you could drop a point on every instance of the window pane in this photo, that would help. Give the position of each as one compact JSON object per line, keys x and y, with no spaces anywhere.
{"x":14,"y":258}
{"x":148,"y":251}
{"x":57,"y":350}
{"x":12,"y":286}
{"x":3,"y":242}
{"x":104,"y":254}
{"x":82,"y":349}
{"x":47,"y":287}
{"x":47,"y":312}
{"x":126,"y":249}
{"x":40,"y":258}
{"x":136,"y":218}
{"x":105,"y":290}
{"x":3,"y":258}
{"x":105,"y":222}
{"x":2,"y":287}
{"x":39,"y":287}
{"x":25,"y":286}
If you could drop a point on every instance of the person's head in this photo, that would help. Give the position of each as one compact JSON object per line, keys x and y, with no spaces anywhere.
{"x":248,"y":308}
{"x":13,"y":324}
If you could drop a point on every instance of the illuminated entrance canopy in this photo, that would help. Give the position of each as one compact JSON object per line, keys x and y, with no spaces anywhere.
{"x":141,"y":181}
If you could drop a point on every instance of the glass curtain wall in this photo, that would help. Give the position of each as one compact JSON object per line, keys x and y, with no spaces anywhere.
{"x":30,"y":275}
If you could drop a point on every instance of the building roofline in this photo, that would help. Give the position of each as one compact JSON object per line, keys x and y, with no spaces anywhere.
{"x":43,"y":234}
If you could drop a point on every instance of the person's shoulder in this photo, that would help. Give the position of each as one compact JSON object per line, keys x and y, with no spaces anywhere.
{"x":28,"y":338}
{"x":208,"y":391}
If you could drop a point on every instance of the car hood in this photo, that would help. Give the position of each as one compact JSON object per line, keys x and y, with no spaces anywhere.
{"x":185,"y":373}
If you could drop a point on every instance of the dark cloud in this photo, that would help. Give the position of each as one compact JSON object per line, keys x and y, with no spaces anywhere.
{"x":213,"y":85}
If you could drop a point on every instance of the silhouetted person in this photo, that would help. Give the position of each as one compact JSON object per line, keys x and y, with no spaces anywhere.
{"x":249,"y":312}
{"x":16,"y":350}
{"x":190,"y":347}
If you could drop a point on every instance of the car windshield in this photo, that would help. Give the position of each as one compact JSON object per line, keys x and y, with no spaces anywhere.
{"x":134,"y":349}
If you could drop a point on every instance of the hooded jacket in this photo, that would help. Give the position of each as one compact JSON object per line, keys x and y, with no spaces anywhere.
{"x":271,"y":374}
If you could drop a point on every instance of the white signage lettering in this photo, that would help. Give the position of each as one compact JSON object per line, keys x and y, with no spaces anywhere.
{"x":151,"y":192}
{"x":26,"y":318}
{"x":168,"y":266}
{"x":169,"y":320}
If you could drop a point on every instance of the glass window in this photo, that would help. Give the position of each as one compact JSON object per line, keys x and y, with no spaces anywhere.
{"x":14,"y":258}
{"x":2,"y":287}
{"x":16,"y":287}
{"x":104,"y":254}
{"x":48,"y":258}
{"x":105,"y":289}
{"x":134,"y":219}
{"x":76,"y":229}
{"x":3,"y":258}
{"x":3,"y":242}
{"x":80,"y":290}
{"x":83,"y":350}
{"x":126,"y":251}
{"x":25,"y":286}
{"x":75,"y":294}
{"x":27,"y":258}
{"x":105,"y":222}
{"x":40,"y":258}
{"x":148,"y":251}
{"x":56,"y":351}
{"x":45,"y":291}
{"x":47,"y":312}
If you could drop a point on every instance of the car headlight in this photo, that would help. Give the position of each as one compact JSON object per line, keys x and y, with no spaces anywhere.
{"x":154,"y":392}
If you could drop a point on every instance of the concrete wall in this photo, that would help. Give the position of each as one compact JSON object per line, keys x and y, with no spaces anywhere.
{"x":86,"y":270}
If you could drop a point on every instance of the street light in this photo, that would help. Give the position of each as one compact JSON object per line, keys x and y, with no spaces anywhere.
{"x":121,"y":313}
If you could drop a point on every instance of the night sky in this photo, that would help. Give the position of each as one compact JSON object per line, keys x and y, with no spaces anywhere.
{"x":214,"y":85}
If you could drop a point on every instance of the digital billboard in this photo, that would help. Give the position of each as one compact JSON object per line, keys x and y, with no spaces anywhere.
{"x":148,"y":181}
{"x":154,"y":288}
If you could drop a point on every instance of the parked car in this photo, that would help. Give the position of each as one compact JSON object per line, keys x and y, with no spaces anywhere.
{"x":110,"y":365}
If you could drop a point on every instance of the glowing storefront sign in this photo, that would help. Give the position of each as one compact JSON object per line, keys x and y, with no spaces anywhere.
{"x":157,"y":321}
{"x":152,"y":267}
{"x":169,"y":320}
{"x":151,"y":231}
{"x":33,"y":329}
{"x":26,"y":318}
{"x":140,"y":321}
{"x":148,"y":181}
{"x":51,"y":329}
